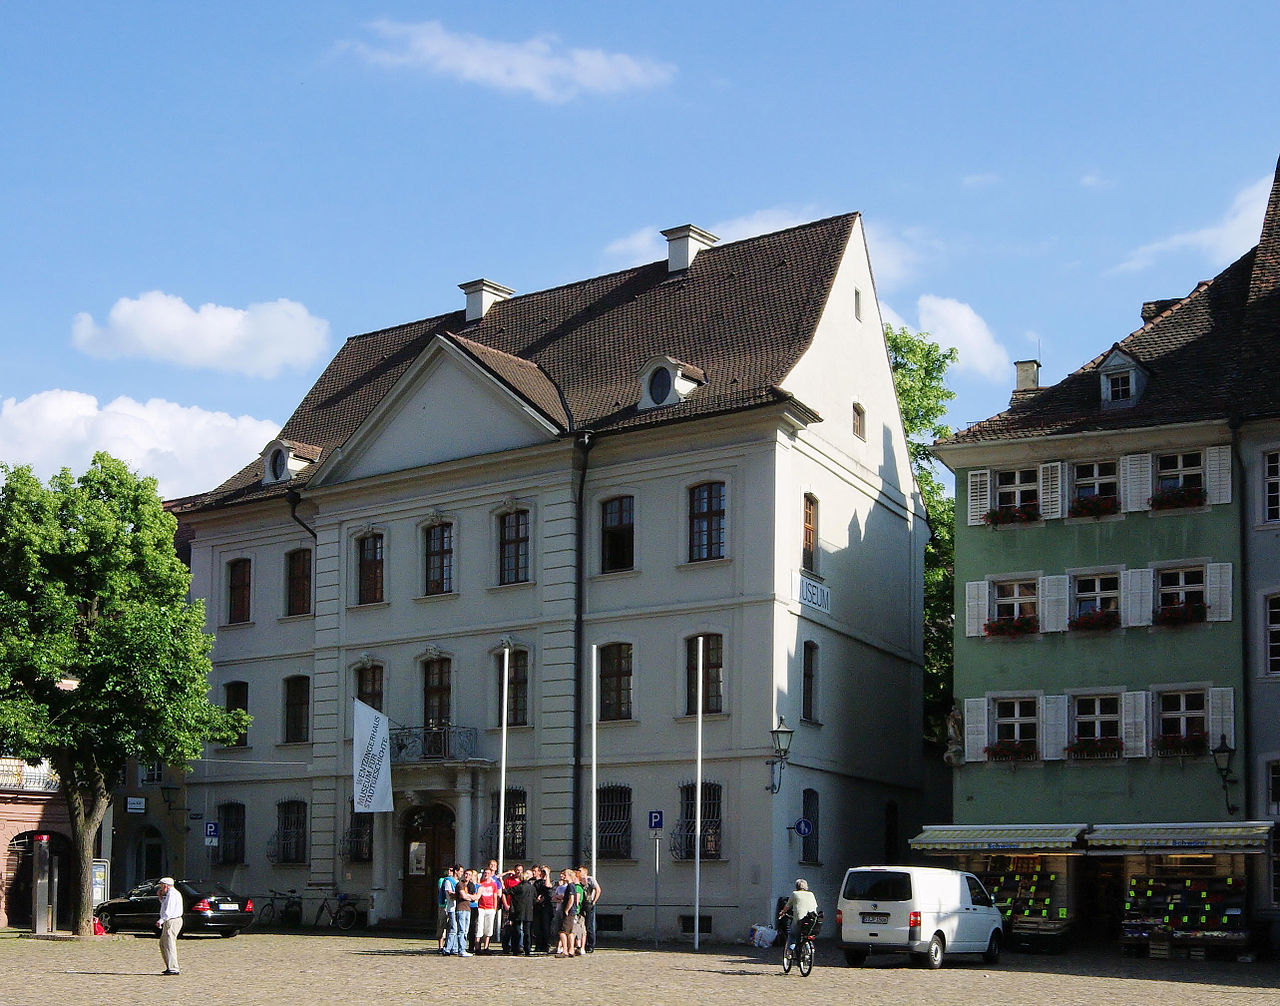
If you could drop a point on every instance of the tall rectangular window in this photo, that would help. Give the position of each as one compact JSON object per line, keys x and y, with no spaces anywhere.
{"x":1180,"y":471}
{"x":617,"y":534}
{"x":615,"y":681}
{"x":613,"y":822}
{"x":238,"y":591}
{"x":517,"y":687}
{"x":369,"y":685}
{"x":683,"y":838}
{"x":438,"y":545}
{"x":516,"y":814}
{"x":513,"y":547}
{"x":298,"y":582}
{"x":809,"y":811}
{"x":436,"y":691}
{"x":236,"y":696}
{"x":1271,"y":485}
{"x":809,"y":683}
{"x":809,"y":547}
{"x":357,"y":845}
{"x":290,"y":839}
{"x":369,"y":551}
{"x":231,"y":834}
{"x":712,"y":674}
{"x":1273,"y":634}
{"x":706,"y":522}
{"x":297,"y":709}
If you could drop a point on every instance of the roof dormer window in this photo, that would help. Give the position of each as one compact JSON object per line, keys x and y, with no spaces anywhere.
{"x":667,"y":381}
{"x":1122,"y":380}
{"x":1121,"y":386}
{"x":283,"y":459}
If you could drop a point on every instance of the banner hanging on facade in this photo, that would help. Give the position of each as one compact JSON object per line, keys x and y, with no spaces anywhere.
{"x":371,"y":759}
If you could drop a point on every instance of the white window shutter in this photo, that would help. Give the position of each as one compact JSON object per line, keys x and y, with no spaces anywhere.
{"x":1135,"y":710}
{"x":1217,"y":594}
{"x":1053,"y":727}
{"x":1217,"y":474}
{"x":1137,"y":595}
{"x":1053,"y":603}
{"x":1222,"y":716}
{"x":975,"y":729}
{"x":1051,"y":507}
{"x":979,"y":494}
{"x":1135,"y":482}
{"x":975,"y":607}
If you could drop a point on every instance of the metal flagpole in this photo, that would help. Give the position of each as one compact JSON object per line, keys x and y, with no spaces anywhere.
{"x":502,"y":772}
{"x":697,"y":817}
{"x":595,"y":724}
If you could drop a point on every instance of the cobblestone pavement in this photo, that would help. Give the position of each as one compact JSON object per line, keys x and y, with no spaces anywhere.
{"x":261,"y":968}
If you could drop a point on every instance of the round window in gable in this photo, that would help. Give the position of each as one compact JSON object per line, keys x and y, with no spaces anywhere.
{"x":660,"y":385}
{"x":279,"y":465}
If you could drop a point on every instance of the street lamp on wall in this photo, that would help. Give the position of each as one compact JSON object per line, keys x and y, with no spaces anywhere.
{"x":1222,"y":756}
{"x":781,"y":735}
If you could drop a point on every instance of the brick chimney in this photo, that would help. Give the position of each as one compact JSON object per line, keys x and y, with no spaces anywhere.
{"x":683,"y":243}
{"x":482,"y":294}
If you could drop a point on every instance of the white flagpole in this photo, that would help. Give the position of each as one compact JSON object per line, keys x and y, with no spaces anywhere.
{"x":697,"y":818}
{"x":502,"y":772}
{"x":595,"y":723}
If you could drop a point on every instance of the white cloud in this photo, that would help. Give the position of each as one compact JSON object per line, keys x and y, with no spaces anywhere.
{"x":259,"y":340}
{"x":953,"y":323}
{"x":892,"y":318}
{"x":541,"y":66}
{"x":187,"y":449}
{"x":981,"y":180}
{"x":647,"y":244}
{"x":1220,"y":243}
{"x":894,"y":258}
{"x":1095,"y":180}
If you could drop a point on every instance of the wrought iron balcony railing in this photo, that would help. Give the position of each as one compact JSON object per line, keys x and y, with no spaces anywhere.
{"x":434,"y":742}
{"x":17,"y":774}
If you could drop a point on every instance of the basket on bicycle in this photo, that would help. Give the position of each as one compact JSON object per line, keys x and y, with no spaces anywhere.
{"x":810,"y":925}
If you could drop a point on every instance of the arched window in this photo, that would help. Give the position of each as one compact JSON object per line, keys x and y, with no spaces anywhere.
{"x":615,"y":681}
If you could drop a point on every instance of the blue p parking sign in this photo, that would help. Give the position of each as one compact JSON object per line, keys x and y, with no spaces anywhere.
{"x":655,"y":820}
{"x":211,"y":834}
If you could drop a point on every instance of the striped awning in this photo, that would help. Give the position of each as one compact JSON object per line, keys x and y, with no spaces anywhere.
{"x":1227,"y":836}
{"x":994,"y":838}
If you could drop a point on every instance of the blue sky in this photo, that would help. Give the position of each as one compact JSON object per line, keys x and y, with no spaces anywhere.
{"x":199,"y":202}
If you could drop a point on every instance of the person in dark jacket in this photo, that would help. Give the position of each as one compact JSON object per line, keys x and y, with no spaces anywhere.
{"x":522,"y":900}
{"x":544,"y":910}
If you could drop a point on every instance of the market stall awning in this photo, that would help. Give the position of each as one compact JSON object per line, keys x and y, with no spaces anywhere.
{"x":1226,"y":836}
{"x":995,"y":838}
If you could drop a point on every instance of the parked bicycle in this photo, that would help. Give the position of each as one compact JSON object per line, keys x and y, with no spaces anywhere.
{"x":285,"y":906}
{"x":343,"y":911}
{"x":806,"y":933}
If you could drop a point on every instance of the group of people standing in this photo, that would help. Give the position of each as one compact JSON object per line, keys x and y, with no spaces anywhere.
{"x":526,"y":911}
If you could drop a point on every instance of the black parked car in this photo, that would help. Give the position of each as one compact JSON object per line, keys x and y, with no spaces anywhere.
{"x":208,"y":908}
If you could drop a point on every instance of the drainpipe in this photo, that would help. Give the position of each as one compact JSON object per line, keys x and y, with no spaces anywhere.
{"x":293,"y":498}
{"x":1245,"y":606}
{"x":581,"y":449}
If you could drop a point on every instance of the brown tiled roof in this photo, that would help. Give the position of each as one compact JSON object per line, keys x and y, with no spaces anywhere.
{"x":742,"y":314}
{"x":1214,"y":354}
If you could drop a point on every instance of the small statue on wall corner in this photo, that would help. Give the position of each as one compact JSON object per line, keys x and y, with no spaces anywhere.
{"x":955,"y":737}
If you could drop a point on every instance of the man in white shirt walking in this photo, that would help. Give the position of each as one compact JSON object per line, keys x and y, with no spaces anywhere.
{"x":169,"y":924}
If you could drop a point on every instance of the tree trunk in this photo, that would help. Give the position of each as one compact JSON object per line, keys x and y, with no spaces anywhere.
{"x":85,"y":791}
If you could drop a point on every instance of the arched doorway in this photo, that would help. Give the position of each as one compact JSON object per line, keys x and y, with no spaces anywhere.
{"x":428,"y":847}
{"x":18,"y":864}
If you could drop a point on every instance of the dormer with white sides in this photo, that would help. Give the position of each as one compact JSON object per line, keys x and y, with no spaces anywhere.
{"x":666,"y":381}
{"x":283,"y":459}
{"x":683,"y":243}
{"x":1123,"y":379}
{"x":482,"y":294}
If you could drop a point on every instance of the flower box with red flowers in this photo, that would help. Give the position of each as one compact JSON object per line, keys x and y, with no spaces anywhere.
{"x":1095,"y":748}
{"x":1015,"y":625}
{"x":1007,"y":750}
{"x":1094,"y":506}
{"x":1177,"y":498}
{"x":1098,"y":620}
{"x":1180,"y":614}
{"x":1028,"y":513}
{"x":1193,"y":745}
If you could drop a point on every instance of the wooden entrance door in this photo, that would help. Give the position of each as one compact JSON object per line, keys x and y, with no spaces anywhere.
{"x":428,"y":849}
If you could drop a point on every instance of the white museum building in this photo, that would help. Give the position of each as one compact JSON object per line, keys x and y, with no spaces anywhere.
{"x":601,"y":487}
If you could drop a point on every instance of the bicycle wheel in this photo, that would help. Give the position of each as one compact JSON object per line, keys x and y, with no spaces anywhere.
{"x":267,"y":914}
{"x":787,"y":960}
{"x":806,"y":958}
{"x":345,"y":917}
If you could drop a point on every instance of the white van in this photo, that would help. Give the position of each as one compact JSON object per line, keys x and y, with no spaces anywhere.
{"x":919,"y":910}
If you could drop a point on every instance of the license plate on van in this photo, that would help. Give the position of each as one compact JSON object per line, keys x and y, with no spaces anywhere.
{"x":875,"y":918}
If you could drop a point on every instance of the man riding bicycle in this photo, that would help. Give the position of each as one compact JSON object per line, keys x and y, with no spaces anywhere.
{"x":799,"y":906}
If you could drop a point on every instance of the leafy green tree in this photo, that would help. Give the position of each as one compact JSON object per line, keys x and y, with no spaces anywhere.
{"x":919,"y":376}
{"x":102,"y":656}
